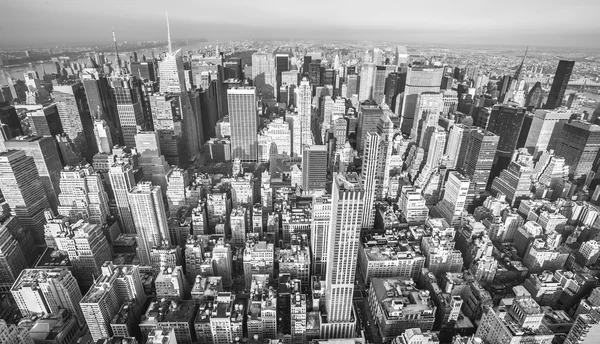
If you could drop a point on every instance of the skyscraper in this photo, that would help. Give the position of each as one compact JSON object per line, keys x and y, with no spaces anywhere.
{"x":24,"y":192}
{"x":560,"y":83}
{"x":429,"y":107}
{"x":82,"y":195}
{"x":9,"y":117}
{"x":244,"y":123}
{"x":45,"y":154}
{"x":150,"y":218}
{"x":126,"y":92}
{"x":167,"y":122}
{"x":319,"y":234}
{"x":370,"y":159}
{"x":121,"y":181}
{"x":368,"y":118}
{"x":367,"y":81}
{"x":545,"y":130}
{"x":75,"y":117}
{"x":348,"y":206}
{"x":314,"y":168}
{"x":264,"y":74}
{"x":479,"y":158}
{"x":304,"y":92}
{"x":535,"y":96}
{"x":12,"y":258}
{"x":455,"y":197}
{"x":456,"y":147}
{"x":419,"y":79}
{"x":515,"y":181}
{"x":381,"y":74}
{"x":172,"y":80}
{"x":154,"y":165}
{"x":99,"y":98}
{"x":579,"y":145}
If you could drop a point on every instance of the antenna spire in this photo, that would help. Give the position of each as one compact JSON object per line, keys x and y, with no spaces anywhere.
{"x":116,"y":48}
{"x":169,"y":34}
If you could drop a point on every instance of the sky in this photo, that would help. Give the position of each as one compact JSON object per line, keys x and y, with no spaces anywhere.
{"x":499,"y":22}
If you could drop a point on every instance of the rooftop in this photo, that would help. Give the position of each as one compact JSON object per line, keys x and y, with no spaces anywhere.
{"x":169,"y":312}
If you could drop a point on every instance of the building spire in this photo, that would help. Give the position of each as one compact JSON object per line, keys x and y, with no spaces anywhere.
{"x":520,"y":68}
{"x":169,"y":34}
{"x":116,"y":49}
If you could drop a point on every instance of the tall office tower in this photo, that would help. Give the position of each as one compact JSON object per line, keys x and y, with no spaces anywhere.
{"x":45,"y":121}
{"x":121,"y":181}
{"x":126,"y":92}
{"x":12,"y":257}
{"x":371,"y":162}
{"x":314,"y":168}
{"x":99,"y":98}
{"x":304,"y":92}
{"x":368,"y":118}
{"x":47,"y":291}
{"x":244,"y":123}
{"x":85,"y":245}
{"x":515,"y":181}
{"x":150,"y":218}
{"x":535,"y":96}
{"x":419,"y":79}
{"x":82,"y":195}
{"x":172,"y":80}
{"x":282,"y":64}
{"x":103,"y":136}
{"x":545,"y":130}
{"x":379,"y":83}
{"x":314,"y":73}
{"x":456,"y":147}
{"x":348,"y":206}
{"x":455,"y":197}
{"x":401,"y":56}
{"x":479,"y":157}
{"x":506,"y":121}
{"x":559,"y":84}
{"x":75,"y":118}
{"x":295,"y":124}
{"x":45,"y":154}
{"x":352,"y":86}
{"x":154,"y":165}
{"x":24,"y":192}
{"x":222,"y":259}
{"x":12,"y":333}
{"x":10,"y":223}
{"x":394,"y":85}
{"x":166,"y":119}
{"x":321,"y":221}
{"x":10,"y":118}
{"x":450,"y":101}
{"x":264,"y":74}
{"x":427,"y":112}
{"x":579,"y":145}
{"x":367,"y":82}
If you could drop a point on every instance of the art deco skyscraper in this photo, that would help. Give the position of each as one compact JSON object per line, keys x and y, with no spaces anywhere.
{"x":560,"y":83}
{"x":348,"y":206}
{"x":320,"y":233}
{"x":122,"y":180}
{"x":24,"y":192}
{"x":304,"y":112}
{"x":150,"y":218}
{"x":244,"y":123}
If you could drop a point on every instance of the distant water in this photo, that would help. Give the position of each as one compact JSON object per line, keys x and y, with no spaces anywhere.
{"x":17,"y":71}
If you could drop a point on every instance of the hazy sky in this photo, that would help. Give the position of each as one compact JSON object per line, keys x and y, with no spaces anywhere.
{"x":509,"y":22}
